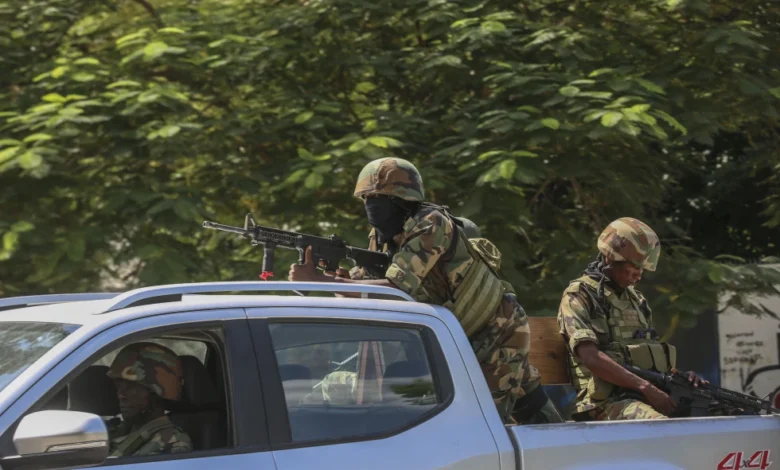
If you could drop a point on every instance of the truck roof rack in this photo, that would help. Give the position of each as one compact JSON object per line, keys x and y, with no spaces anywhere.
{"x":174,"y":292}
{"x":11,"y":303}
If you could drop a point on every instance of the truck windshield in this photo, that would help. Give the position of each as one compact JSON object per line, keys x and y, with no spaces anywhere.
{"x":23,"y":343}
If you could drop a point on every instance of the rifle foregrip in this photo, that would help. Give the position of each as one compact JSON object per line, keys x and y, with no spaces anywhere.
{"x":268,"y":259}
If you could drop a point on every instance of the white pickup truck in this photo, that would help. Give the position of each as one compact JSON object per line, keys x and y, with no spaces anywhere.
{"x":284,"y":382}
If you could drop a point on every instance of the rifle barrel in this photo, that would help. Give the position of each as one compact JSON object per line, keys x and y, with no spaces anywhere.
{"x":224,"y":228}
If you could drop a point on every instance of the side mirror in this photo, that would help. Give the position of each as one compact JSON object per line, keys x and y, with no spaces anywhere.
{"x":58,"y":439}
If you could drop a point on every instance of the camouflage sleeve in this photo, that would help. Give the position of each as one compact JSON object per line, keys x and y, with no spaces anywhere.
{"x":574,"y":320}
{"x":167,"y":441}
{"x":425,"y":240}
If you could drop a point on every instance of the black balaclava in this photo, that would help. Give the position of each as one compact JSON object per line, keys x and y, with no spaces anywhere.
{"x":387,"y":215}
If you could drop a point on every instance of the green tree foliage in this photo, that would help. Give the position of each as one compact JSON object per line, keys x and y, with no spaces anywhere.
{"x":125,"y":123}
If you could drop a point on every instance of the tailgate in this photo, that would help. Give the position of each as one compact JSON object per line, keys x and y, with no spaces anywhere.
{"x":723,"y":443}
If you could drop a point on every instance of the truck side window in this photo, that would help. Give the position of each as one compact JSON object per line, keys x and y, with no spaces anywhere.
{"x":352,"y":381}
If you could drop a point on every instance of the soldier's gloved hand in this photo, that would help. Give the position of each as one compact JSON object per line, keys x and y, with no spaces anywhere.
{"x":696,"y":380}
{"x":658,"y":399}
{"x":306,"y":272}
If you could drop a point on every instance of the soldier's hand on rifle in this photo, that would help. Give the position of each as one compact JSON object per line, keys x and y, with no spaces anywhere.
{"x":340,"y":272}
{"x":696,"y":380}
{"x":306,"y":272}
{"x":658,"y":399}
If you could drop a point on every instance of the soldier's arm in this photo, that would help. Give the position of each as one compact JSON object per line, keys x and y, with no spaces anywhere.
{"x":422,"y":247}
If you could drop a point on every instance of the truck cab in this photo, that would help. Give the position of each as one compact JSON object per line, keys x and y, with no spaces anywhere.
{"x":275,"y":380}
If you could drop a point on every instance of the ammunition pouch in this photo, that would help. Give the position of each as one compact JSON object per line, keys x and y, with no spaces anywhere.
{"x":659,"y":357}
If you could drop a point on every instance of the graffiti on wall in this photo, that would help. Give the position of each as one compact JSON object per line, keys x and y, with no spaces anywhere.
{"x":750,"y":352}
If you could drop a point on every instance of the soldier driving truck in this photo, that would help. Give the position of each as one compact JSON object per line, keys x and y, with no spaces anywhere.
{"x":607,"y":323}
{"x":144,"y":375}
{"x":435,"y":262}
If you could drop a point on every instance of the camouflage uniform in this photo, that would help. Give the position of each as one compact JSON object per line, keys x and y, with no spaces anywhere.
{"x":160,"y":370}
{"x":581,"y":320}
{"x":429,"y":268}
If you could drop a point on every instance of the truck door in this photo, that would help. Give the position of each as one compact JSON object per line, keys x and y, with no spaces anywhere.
{"x":369,"y":389}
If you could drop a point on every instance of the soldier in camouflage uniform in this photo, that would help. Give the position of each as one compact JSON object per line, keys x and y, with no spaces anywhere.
{"x":145,"y":374}
{"x":434,"y":262}
{"x":606,"y":322}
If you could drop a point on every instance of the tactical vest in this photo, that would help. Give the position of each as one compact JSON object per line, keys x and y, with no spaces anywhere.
{"x":624,"y":335}
{"x":476,"y":299}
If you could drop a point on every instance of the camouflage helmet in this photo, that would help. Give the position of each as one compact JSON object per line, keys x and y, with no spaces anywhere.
{"x":470,"y":228}
{"x":391,"y":176}
{"x":628,"y":239}
{"x":149,"y":364}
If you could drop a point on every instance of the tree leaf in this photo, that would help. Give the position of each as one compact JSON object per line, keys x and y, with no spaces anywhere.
{"x":53,"y":98}
{"x":640,"y":108}
{"x":86,"y":61}
{"x":83,"y":77}
{"x":306,"y":155}
{"x":123,"y":83}
{"x":37,"y":137}
{"x":365,"y":87}
{"x":507,"y":168}
{"x":602,"y":71}
{"x":171,"y":30}
{"x":650,"y":86}
{"x":7,"y":154}
{"x":611,"y":118}
{"x":304,"y":117}
{"x":30,"y":160}
{"x":10,"y":241}
{"x":358,"y":145}
{"x":569,"y":91}
{"x":552,"y":123}
{"x":490,"y":154}
{"x":524,"y":153}
{"x":169,"y":131}
{"x":22,"y":226}
{"x":155,"y":49}
{"x":384,"y":142}
{"x":59,"y":71}
{"x":493,"y":26}
{"x":670,"y":120}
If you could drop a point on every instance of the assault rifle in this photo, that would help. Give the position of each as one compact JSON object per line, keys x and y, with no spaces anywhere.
{"x":327,"y":252}
{"x":704,"y":400}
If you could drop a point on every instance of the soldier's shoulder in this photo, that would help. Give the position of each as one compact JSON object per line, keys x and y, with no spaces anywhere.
{"x":576,"y":287}
{"x":575,"y":292}
{"x":428,"y":219}
{"x":432,"y":215}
